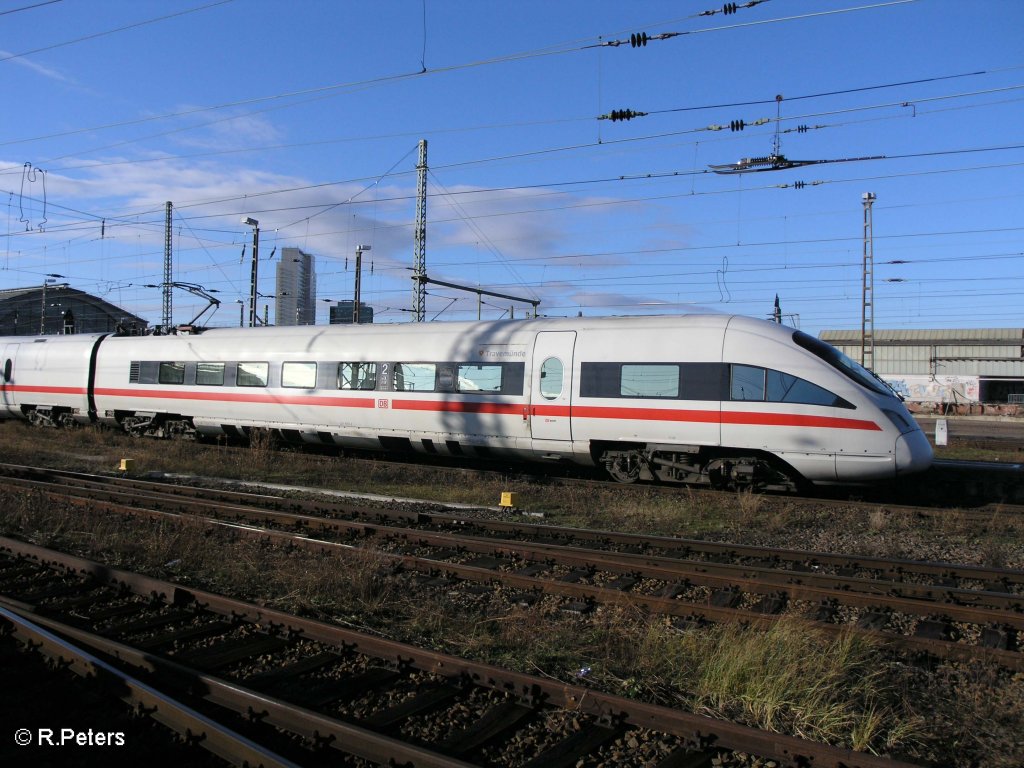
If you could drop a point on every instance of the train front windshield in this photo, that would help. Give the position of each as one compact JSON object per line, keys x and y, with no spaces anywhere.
{"x":842,"y":363}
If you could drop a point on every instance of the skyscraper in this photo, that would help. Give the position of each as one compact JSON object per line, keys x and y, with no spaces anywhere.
{"x":296,"y":288}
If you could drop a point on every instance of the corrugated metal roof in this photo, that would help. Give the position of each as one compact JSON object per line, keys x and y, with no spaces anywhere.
{"x":9,"y":293}
{"x":944,"y":336}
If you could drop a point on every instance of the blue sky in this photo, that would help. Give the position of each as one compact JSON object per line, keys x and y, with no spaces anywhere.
{"x":306,"y":116}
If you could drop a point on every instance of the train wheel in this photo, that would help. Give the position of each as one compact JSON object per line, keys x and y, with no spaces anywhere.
{"x":624,"y":467}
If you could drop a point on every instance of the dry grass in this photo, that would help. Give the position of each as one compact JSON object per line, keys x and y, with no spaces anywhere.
{"x":726,"y":671}
{"x":789,"y":679}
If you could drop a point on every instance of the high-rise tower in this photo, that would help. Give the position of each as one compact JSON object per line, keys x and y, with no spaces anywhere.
{"x":296,"y":288}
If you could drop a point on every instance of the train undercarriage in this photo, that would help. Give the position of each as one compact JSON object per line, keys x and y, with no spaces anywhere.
{"x":714,"y":467}
{"x":697,"y":465}
{"x":160,"y":425}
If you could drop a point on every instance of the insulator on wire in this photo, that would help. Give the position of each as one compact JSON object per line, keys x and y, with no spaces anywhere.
{"x":737,"y":125}
{"x":638,"y":39}
{"x":623,"y":114}
{"x":799,"y":184}
{"x":729,"y":8}
{"x":802,"y":128}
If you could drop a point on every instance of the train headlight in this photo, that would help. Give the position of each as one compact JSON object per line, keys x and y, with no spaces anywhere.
{"x":900,"y":421}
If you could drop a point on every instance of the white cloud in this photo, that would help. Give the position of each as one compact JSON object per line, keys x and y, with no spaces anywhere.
{"x":8,"y":57}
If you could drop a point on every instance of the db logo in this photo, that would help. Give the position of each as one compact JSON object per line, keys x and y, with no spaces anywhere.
{"x":382,"y":403}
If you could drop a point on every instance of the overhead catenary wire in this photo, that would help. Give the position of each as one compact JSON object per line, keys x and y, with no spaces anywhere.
{"x":30,"y":7}
{"x":155,"y":223}
{"x":629,"y":188}
{"x":571,"y":46}
{"x":106,"y":33}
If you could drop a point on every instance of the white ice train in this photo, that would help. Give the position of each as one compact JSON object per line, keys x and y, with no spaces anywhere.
{"x":718,"y":399}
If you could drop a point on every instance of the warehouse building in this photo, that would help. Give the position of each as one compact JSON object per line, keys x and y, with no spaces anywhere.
{"x":949,"y":367}
{"x":59,"y":308}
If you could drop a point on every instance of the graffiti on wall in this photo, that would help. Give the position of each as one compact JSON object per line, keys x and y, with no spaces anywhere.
{"x":936,"y":389}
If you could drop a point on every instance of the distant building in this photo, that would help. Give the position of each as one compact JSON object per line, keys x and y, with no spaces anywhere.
{"x":296,"y":288}
{"x":59,"y":309}
{"x":948,"y":366}
{"x":342,"y":312}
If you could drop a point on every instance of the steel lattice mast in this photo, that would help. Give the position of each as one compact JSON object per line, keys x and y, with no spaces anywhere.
{"x":168,"y":260}
{"x":419,"y":265}
{"x":867,"y":317}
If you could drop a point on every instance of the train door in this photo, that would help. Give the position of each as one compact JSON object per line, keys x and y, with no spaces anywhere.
{"x":7,"y":373}
{"x":551,"y":387}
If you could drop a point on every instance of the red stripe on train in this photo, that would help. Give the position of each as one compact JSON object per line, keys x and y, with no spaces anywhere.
{"x":759,"y":418}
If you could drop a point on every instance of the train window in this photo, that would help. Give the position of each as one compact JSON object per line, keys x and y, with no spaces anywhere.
{"x":649,"y":380}
{"x":479,"y":378}
{"x":841,"y":362}
{"x":415,"y":377}
{"x":8,"y":369}
{"x":357,"y":375}
{"x":252,"y":374}
{"x":600,"y":379}
{"x":210,"y":374}
{"x":171,"y":373}
{"x":784,"y":388}
{"x":301,"y":375}
{"x":705,"y":381}
{"x":747,"y":383}
{"x":551,"y":375}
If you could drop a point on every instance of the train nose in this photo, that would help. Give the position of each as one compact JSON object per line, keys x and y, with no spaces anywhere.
{"x":913,"y":453}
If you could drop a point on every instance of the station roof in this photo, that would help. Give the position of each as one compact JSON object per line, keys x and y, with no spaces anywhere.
{"x":21,"y":311}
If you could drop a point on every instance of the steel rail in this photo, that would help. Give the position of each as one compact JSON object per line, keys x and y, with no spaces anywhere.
{"x":697,"y":731}
{"x":342,"y":736}
{"x":215,"y":737}
{"x":938,"y":647}
{"x":969,"y":606}
{"x":893,"y":569}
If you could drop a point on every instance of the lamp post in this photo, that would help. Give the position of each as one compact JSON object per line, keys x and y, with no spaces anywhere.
{"x":359,"y":277}
{"x":251,"y":222}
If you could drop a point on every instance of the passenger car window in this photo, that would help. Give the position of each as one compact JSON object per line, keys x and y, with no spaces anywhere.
{"x":171,"y":373}
{"x":357,"y":375}
{"x":747,"y":383}
{"x":210,"y":374}
{"x":252,"y":374}
{"x":551,"y":374}
{"x":649,"y":381}
{"x":479,"y":378}
{"x":301,"y":375}
{"x":415,"y":377}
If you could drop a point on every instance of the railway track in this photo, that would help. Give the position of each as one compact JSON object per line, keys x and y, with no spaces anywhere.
{"x":258,"y":686}
{"x":942,"y":610}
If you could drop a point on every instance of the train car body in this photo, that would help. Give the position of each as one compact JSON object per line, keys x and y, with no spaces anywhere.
{"x":717,"y":399}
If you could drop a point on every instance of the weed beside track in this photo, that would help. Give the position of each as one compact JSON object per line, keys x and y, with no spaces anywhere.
{"x":790,"y":680}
